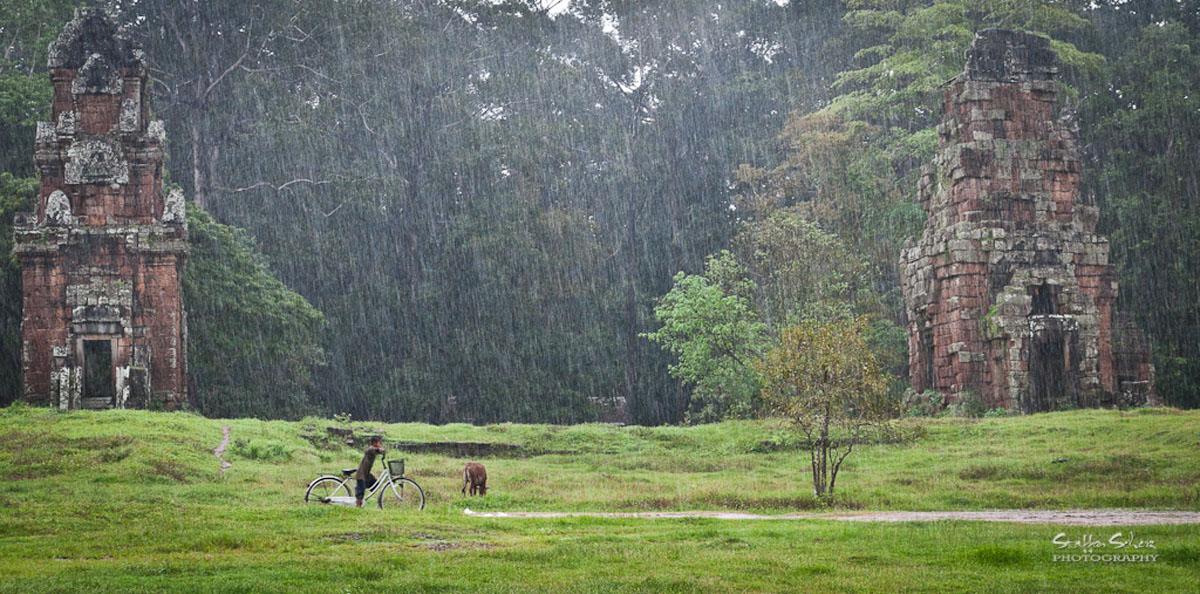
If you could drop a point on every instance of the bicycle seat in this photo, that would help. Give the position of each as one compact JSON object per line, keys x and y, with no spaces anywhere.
{"x":349,"y":471}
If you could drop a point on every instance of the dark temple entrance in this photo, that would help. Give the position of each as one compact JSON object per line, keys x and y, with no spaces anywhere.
{"x":1047,"y":370}
{"x":99,"y":387}
{"x":927,"y":379}
{"x":1047,"y":351}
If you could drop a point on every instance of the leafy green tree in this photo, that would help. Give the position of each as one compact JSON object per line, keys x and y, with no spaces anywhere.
{"x":674,"y":94}
{"x":802,"y":271}
{"x":909,"y":49}
{"x":709,"y":325}
{"x":784,"y":269}
{"x":26,"y":29}
{"x":824,"y":379}
{"x":253,"y":343}
{"x":202,"y":55}
{"x":24,"y":99}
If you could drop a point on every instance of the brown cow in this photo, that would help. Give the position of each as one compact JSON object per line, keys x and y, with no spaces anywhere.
{"x":475,"y":476}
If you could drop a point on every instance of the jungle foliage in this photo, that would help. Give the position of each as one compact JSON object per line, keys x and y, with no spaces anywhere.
{"x":486,"y":201}
{"x":254,"y":344}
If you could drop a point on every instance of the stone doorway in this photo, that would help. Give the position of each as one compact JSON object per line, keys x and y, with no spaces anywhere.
{"x":99,"y":381}
{"x":1047,"y":370}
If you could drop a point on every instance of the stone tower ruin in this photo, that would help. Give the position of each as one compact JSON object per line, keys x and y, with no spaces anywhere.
{"x":103,"y":255}
{"x":1009,"y":291}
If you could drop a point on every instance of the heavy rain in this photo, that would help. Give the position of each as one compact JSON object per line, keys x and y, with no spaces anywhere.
{"x":601,"y":295}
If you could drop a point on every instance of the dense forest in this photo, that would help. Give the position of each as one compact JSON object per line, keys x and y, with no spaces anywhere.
{"x":513,"y":209}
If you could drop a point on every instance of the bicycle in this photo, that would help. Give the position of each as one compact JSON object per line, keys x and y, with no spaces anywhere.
{"x":392,"y":487}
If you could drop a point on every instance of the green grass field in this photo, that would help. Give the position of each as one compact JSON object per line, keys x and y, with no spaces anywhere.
{"x":124,"y":501}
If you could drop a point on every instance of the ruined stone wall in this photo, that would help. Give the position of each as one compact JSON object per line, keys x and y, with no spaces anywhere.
{"x":1009,"y":291}
{"x":103,"y":254}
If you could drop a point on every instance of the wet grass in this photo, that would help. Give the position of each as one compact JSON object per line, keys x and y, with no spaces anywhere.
{"x":134,"y":501}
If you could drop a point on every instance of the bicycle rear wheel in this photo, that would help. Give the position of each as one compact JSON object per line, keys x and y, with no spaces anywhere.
{"x":402,"y":493}
{"x":324,"y":489}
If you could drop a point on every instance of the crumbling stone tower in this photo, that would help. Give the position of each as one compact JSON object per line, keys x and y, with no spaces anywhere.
{"x":103,"y":256}
{"x":1009,"y":291}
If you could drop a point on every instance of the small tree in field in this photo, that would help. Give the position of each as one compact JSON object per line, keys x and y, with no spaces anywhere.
{"x":824,"y":379}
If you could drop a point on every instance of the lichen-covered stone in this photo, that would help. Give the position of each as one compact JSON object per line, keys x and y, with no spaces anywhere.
{"x":157,"y":132}
{"x":66,"y":124}
{"x":98,"y":75}
{"x":1002,"y":55}
{"x":173,"y":208}
{"x":93,"y":31}
{"x":1009,"y":292}
{"x":130,"y":115}
{"x":58,"y":209}
{"x":46,"y":133}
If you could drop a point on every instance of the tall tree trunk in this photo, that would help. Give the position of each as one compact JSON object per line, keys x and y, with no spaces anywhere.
{"x":812,"y":459}
{"x":199,"y":167}
{"x":821,"y":479}
{"x":631,"y":315}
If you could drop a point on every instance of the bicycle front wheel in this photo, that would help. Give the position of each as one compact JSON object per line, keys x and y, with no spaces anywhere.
{"x":402,"y":493}
{"x":324,"y":489}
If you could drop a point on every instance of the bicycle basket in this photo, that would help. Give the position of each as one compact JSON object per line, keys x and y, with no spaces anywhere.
{"x":396,"y":467}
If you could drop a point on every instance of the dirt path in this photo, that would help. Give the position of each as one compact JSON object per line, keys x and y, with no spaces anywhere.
{"x":220,"y":451}
{"x":1084,"y":517}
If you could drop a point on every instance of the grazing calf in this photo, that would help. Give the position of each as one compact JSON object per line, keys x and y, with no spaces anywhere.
{"x":475,"y":476}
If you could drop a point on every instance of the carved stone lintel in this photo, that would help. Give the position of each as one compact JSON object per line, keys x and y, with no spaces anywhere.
{"x":95,"y":161}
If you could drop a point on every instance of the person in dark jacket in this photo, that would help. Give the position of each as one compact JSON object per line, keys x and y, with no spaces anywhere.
{"x":362,"y":477}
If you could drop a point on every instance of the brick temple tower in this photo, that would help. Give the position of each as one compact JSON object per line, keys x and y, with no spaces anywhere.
{"x":1009,"y":291}
{"x":103,"y":255}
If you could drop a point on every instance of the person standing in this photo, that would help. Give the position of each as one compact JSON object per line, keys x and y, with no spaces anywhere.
{"x":363,"y":477}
